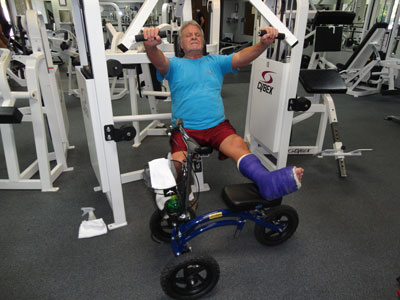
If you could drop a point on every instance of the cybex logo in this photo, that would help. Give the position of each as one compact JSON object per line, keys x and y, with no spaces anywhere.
{"x":264,"y":85}
{"x":269,"y":77}
{"x":299,"y":151}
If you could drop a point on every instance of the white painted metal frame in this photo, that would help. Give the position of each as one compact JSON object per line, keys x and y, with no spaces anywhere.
{"x":49,"y":79}
{"x":155,"y":127}
{"x":268,"y":121}
{"x":97,"y":110}
{"x":69,"y":54}
{"x":95,"y":94}
{"x":34,"y":114}
{"x":42,"y":82}
{"x":358,"y":72}
{"x":138,"y":23}
{"x":272,"y":19}
{"x":117,"y":10}
{"x":96,"y":106}
{"x":323,"y":104}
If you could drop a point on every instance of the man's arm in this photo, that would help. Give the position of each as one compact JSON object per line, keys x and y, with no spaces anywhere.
{"x":202,"y":20}
{"x":3,"y":39}
{"x":156,"y":56}
{"x":247,"y":55}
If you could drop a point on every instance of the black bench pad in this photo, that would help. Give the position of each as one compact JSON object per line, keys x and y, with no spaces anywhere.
{"x":245,"y":196}
{"x":322,"y":81}
{"x":10,"y":115}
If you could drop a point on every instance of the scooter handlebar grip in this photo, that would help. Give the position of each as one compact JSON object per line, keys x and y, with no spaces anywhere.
{"x":140,"y":37}
{"x":281,"y":36}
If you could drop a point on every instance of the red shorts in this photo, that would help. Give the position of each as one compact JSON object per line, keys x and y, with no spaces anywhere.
{"x":213,"y":137}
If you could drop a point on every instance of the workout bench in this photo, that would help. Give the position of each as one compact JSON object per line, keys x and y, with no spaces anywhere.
{"x":323,"y":83}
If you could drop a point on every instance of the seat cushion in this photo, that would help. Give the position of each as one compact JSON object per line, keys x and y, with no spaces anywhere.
{"x":322,"y":81}
{"x":245,"y":196}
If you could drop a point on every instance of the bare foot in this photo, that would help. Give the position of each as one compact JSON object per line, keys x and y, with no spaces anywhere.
{"x":299,"y":173}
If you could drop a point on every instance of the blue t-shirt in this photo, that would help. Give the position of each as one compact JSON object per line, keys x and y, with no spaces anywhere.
{"x":195,"y":86}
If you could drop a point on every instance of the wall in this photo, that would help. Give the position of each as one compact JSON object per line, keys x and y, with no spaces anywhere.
{"x":235,"y":28}
{"x":15,"y":8}
{"x":20,"y":6}
{"x":59,"y":11}
{"x":39,"y":6}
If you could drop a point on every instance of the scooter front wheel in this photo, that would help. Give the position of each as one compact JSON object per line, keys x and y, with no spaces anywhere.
{"x":190,"y":276}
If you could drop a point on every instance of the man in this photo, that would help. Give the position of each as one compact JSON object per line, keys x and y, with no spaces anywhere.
{"x":200,"y":18}
{"x":4,"y":30}
{"x":195,"y":82}
{"x":3,"y":39}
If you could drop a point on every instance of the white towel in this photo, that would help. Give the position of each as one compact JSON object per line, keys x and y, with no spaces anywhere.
{"x":92,"y":228}
{"x":160,"y":174}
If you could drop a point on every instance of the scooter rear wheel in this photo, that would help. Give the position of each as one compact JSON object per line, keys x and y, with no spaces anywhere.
{"x":282,"y":215}
{"x":161,"y":226}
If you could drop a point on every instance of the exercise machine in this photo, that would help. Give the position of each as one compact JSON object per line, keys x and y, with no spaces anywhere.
{"x":324,"y":83}
{"x":374,"y":67}
{"x":63,"y":46}
{"x":46,"y":103}
{"x":322,"y":79}
{"x":273,"y":88}
{"x":328,"y":28}
{"x":100,"y":123}
{"x":357,"y":71}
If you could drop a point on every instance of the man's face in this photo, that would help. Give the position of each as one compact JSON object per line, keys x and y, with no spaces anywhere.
{"x":191,"y":39}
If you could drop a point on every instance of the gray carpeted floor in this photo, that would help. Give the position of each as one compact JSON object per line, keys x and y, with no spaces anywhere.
{"x":346,"y":246}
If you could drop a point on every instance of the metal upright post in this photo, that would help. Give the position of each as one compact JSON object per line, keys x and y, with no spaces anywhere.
{"x":96,"y":103}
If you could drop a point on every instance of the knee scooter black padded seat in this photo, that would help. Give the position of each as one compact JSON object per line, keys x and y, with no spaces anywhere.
{"x":245,"y":196}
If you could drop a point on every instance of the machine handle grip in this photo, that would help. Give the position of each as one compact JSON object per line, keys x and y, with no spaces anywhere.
{"x":281,"y":36}
{"x":140,"y":37}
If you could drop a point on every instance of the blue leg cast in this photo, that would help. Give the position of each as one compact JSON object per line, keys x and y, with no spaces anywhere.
{"x":272,"y":185}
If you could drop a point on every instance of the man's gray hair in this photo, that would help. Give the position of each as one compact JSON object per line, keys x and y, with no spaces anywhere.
{"x":186,"y":24}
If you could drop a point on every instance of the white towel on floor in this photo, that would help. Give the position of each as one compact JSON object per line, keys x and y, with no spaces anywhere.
{"x":92,"y":228}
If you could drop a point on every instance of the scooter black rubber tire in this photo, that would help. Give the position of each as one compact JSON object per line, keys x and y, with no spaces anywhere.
{"x":161,"y":228}
{"x":190,"y":276}
{"x":277,"y":215}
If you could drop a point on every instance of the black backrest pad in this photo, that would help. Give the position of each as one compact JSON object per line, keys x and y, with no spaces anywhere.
{"x":333,"y":17}
{"x":328,"y":38}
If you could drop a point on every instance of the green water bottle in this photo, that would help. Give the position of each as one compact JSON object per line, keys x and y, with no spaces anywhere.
{"x":173,"y":204}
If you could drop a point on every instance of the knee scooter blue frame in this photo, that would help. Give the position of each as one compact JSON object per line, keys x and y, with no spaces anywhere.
{"x":183,"y":233}
{"x":190,"y":275}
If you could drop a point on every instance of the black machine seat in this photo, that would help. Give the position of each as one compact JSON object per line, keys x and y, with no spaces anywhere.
{"x":245,"y":196}
{"x":322,"y":81}
{"x":10,"y":115}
